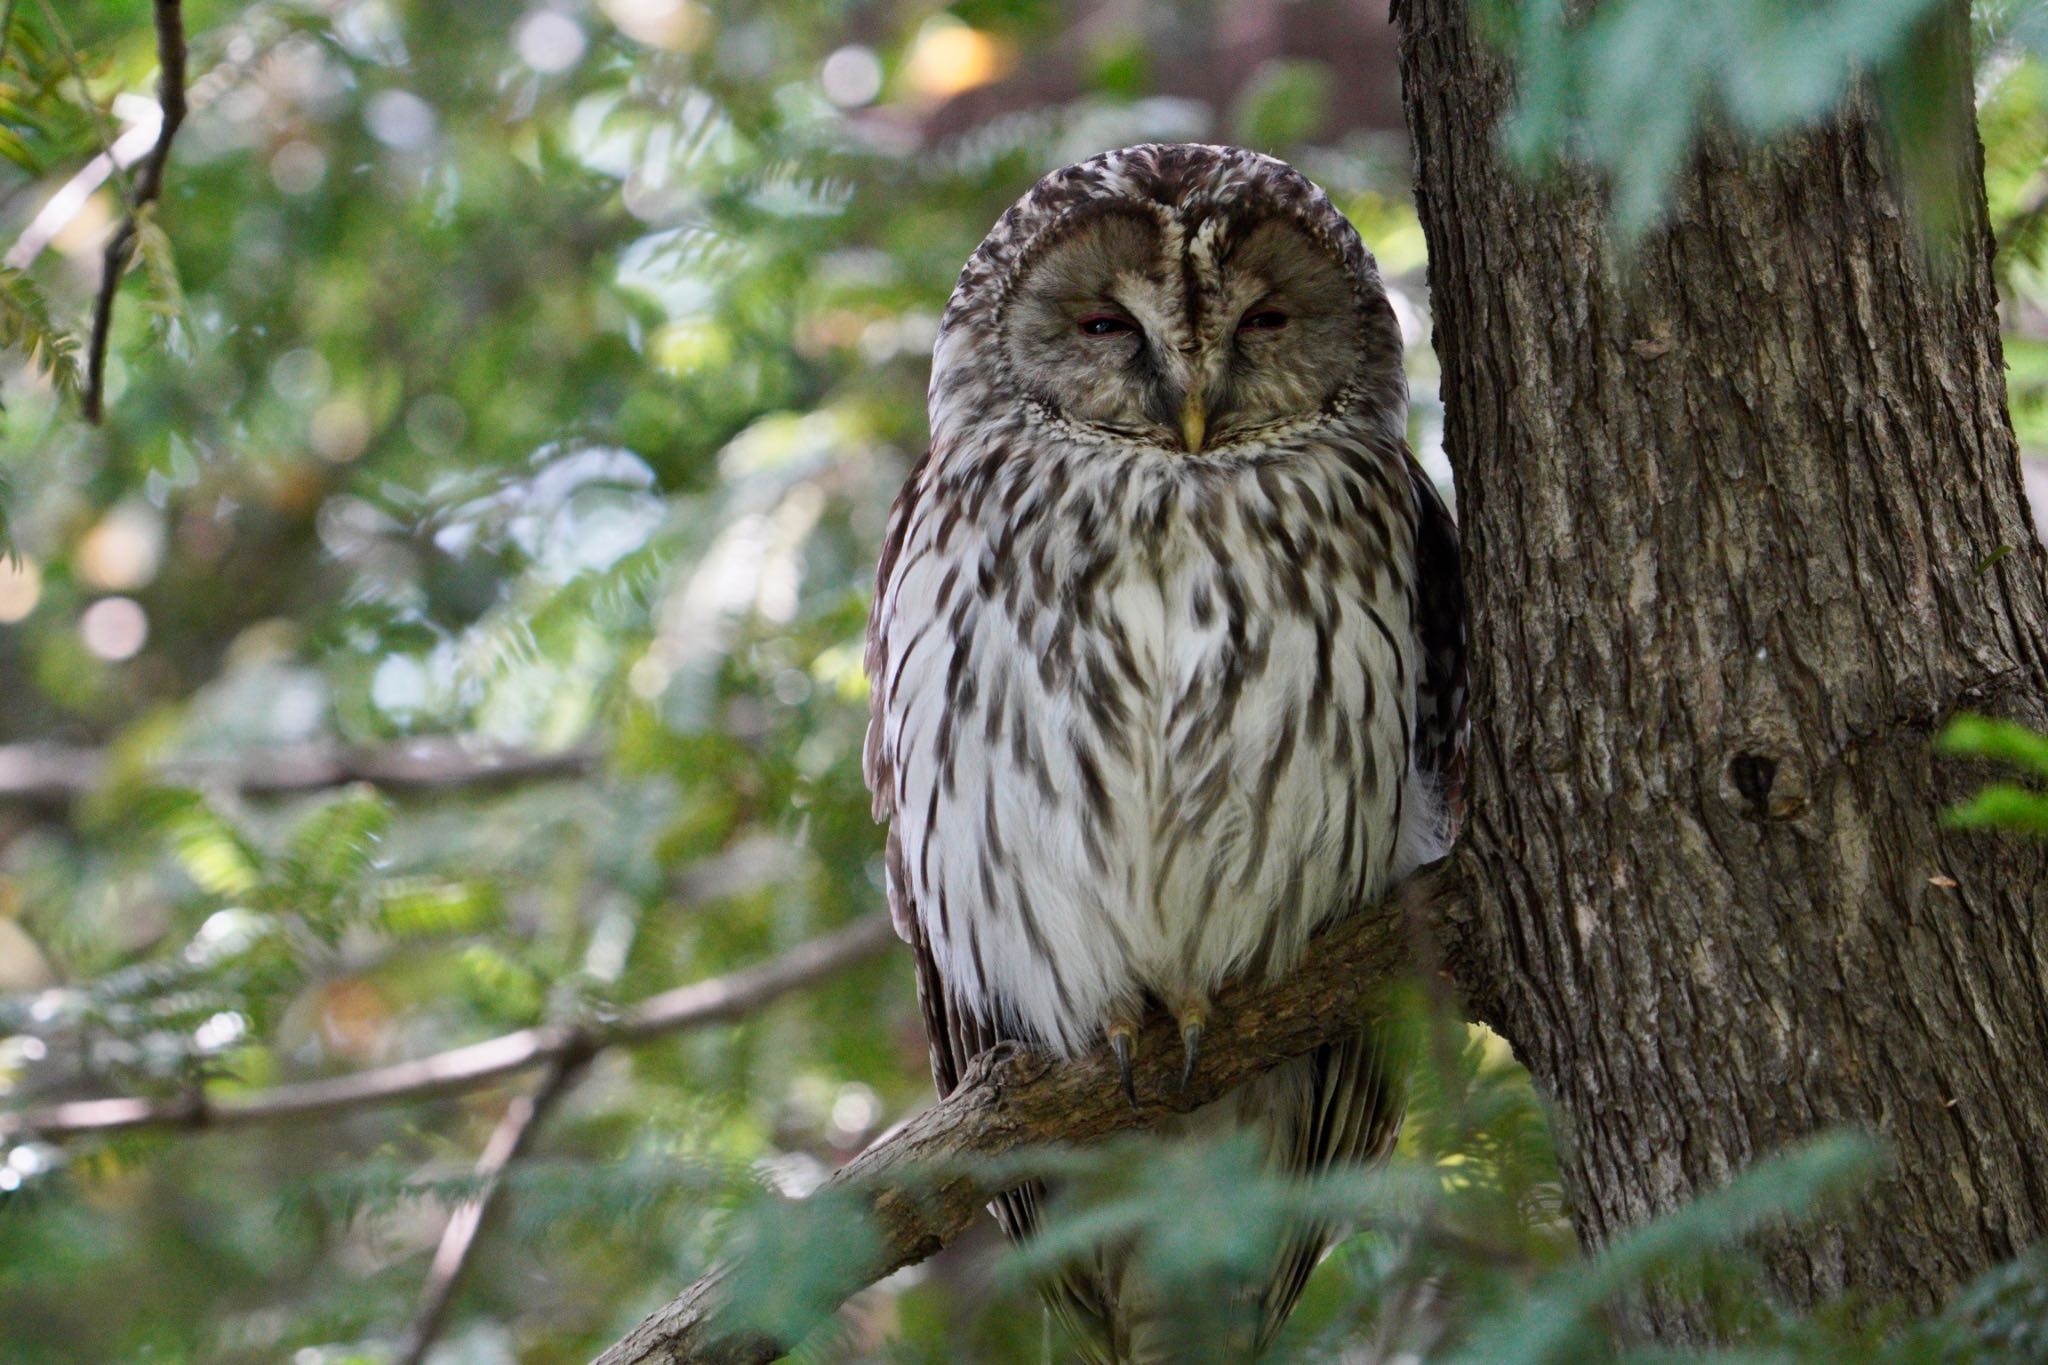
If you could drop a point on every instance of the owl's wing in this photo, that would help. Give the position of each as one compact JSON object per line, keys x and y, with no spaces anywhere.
{"x":956,"y":1035}
{"x":955,"y":1032}
{"x":1439,"y":615}
{"x":878,"y":765}
{"x":1352,"y":1114}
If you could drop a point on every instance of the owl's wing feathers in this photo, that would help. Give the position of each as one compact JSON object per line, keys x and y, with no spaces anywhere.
{"x":877,"y":764}
{"x":957,"y":1036}
{"x":955,"y":1032}
{"x":1352,"y":1114}
{"x":1439,"y":615}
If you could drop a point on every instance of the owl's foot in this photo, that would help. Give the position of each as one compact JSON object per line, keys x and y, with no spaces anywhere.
{"x":1122,"y":1035}
{"x":1191,"y":1016}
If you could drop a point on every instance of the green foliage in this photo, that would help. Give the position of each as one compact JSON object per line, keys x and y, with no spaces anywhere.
{"x":2003,"y":1318}
{"x":1283,"y":103}
{"x":1627,"y":87}
{"x":26,"y":327}
{"x":210,"y":850}
{"x":1559,"y":1320}
{"x":789,"y":1256}
{"x":541,"y":375}
{"x":153,"y":253}
{"x":2002,"y":805}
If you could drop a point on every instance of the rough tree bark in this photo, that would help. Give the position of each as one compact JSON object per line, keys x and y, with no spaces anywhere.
{"x":1728,"y":513}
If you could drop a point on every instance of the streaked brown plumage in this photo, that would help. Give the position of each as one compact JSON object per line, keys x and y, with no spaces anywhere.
{"x":1167,"y":650}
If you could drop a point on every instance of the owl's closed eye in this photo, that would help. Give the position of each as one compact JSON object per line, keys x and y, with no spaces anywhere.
{"x":1113,"y":324}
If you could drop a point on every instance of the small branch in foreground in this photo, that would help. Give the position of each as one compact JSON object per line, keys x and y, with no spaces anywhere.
{"x":62,"y":208}
{"x":919,"y":1182}
{"x":170,"y":56}
{"x":57,"y":774}
{"x":446,"y":1073}
{"x":508,"y":1142}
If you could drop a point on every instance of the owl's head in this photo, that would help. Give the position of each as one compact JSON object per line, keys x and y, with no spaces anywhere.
{"x":1190,"y":297}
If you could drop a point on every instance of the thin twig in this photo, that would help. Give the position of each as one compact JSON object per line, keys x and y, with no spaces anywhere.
{"x":465,"y":1068}
{"x":508,"y":1142}
{"x":170,"y":54}
{"x":54,"y":775}
{"x":62,"y":208}
{"x":925,"y":1182}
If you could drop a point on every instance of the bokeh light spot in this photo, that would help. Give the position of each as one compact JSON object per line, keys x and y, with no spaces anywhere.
{"x":399,"y":119}
{"x":298,"y":167}
{"x":300,"y":375}
{"x":855,"y":1109}
{"x":339,"y":430}
{"x":399,"y":687}
{"x":851,"y":77}
{"x":549,"y":42}
{"x":21,"y":587}
{"x":114,"y":628}
{"x":949,"y":57}
{"x":677,"y":25}
{"x":123,"y":549}
{"x":222,"y":1030}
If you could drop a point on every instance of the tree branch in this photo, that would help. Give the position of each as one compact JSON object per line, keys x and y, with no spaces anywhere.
{"x":508,"y":1142}
{"x":61,"y":208}
{"x":926,"y":1181}
{"x":446,"y":1073}
{"x":57,"y":774}
{"x":170,"y":86}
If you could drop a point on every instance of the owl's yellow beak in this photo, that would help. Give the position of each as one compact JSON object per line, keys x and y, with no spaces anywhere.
{"x":1194,"y":422}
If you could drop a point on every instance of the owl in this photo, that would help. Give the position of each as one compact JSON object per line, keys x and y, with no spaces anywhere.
{"x":1166,"y":654}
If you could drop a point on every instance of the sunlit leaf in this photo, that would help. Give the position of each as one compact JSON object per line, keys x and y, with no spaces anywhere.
{"x":213,"y":853}
{"x":336,"y":844}
{"x":422,"y":907}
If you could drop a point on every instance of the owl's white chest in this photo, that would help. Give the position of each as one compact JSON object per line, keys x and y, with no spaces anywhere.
{"x":1150,"y":726}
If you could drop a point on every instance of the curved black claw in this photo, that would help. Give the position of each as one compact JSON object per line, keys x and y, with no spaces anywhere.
{"x":1191,"y":1043}
{"x":1120,"y":1043}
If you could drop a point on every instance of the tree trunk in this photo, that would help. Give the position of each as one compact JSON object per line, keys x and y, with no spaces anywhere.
{"x":1733,"y":520}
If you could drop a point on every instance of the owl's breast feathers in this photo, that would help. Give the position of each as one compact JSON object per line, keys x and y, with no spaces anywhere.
{"x":1144,"y":721}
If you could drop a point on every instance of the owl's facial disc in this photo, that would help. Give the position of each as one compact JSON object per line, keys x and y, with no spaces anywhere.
{"x":1192,"y":340}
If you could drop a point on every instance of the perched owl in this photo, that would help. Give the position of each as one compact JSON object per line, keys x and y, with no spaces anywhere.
{"x":1167,"y":650}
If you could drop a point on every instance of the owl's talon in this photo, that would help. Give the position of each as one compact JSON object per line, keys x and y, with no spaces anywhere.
{"x":1120,"y":1044}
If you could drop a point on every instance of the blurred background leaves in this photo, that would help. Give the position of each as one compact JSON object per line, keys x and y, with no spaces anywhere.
{"x":503,"y":409}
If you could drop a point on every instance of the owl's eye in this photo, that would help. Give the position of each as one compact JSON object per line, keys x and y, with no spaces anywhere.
{"x":1264,"y":320}
{"x":1106,"y":325}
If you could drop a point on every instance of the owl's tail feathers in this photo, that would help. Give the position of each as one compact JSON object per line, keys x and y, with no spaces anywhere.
{"x":1115,"y":1317}
{"x":1158,"y":1332}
